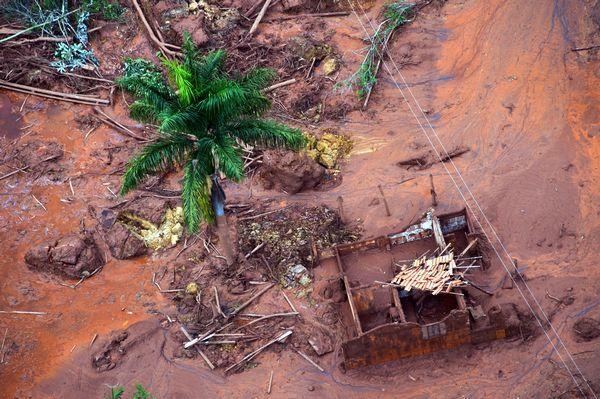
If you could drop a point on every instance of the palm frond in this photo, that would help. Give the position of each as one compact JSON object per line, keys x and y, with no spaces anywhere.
{"x":224,"y":100}
{"x":258,"y":78}
{"x":266,"y":133}
{"x":144,"y":112}
{"x":228,"y":158}
{"x":195,"y":194}
{"x":156,"y":96}
{"x":210,"y":66}
{"x":180,"y":77}
{"x":189,"y":120}
{"x":160,"y":155}
{"x":190,"y":51}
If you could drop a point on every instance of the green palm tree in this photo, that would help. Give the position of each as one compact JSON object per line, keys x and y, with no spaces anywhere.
{"x":204,"y":117}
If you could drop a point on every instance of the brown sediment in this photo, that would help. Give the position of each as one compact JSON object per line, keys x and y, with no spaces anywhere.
{"x":498,"y":77}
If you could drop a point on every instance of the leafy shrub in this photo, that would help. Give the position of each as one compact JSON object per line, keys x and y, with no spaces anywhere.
{"x":140,"y":393}
{"x":107,"y":10}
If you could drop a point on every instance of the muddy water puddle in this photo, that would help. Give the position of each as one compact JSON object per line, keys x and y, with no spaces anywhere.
{"x":10,"y":126}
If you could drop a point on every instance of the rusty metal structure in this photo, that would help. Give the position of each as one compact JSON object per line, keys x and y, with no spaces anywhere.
{"x":388,"y":321}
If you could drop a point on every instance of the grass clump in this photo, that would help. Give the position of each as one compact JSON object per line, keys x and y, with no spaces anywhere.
{"x":394,"y":15}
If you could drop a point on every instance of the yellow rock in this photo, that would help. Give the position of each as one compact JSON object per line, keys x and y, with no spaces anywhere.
{"x":191,"y":289}
{"x":156,"y":237}
{"x":193,"y":6}
{"x":330,"y":65}
{"x":328,"y":149}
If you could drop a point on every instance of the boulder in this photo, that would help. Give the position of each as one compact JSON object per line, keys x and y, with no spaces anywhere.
{"x":71,"y":256}
{"x":290,"y":172}
{"x":121,"y":241}
{"x":320,"y":341}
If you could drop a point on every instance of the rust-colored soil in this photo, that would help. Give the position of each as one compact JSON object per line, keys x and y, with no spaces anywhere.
{"x":497,"y":77}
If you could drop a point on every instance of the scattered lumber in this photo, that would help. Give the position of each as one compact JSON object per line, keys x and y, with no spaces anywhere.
{"x":103,"y":117}
{"x":202,"y":354}
{"x":270,"y":316}
{"x":387,"y":207}
{"x":4,"y":340}
{"x":249,"y":301}
{"x":218,"y":302}
{"x":471,"y":244}
{"x":289,"y":302}
{"x":93,"y":340}
{"x":260,"y":16}
{"x":434,"y":274}
{"x":312,"y":15}
{"x":22,"y":312}
{"x":251,"y":355}
{"x":29,"y":29}
{"x":280,"y":84}
{"x":259,"y":246}
{"x":55,"y":95}
{"x":10,"y":31}
{"x":308,"y":359}
{"x":268,"y":386}
{"x":28,"y":166}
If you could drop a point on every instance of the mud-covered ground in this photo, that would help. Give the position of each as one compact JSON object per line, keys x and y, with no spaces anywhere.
{"x":498,"y":78}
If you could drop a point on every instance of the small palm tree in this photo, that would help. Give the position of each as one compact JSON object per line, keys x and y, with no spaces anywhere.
{"x":204,"y":117}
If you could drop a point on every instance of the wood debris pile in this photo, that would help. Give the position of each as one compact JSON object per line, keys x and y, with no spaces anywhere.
{"x":434,"y":274}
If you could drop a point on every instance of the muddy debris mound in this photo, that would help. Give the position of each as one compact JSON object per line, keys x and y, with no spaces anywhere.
{"x":129,"y":230}
{"x":116,"y":346}
{"x":290,"y":234}
{"x":290,"y":172}
{"x":587,"y":328}
{"x":36,"y":157}
{"x":73,"y":256}
{"x":518,"y":322}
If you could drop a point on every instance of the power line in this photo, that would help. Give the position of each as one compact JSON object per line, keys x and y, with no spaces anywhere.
{"x":477,"y":204}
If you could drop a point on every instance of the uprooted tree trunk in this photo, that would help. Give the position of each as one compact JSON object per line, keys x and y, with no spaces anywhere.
{"x":217,"y":197}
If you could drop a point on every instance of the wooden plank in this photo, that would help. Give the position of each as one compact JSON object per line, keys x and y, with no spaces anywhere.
{"x":352,"y":306}
{"x":437,"y":233}
{"x":460,"y":299}
{"x":463,"y":253}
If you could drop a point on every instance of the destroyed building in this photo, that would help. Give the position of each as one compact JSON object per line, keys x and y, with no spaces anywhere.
{"x":406,"y":291}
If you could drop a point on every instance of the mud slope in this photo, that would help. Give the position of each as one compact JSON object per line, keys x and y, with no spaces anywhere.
{"x":496,"y":76}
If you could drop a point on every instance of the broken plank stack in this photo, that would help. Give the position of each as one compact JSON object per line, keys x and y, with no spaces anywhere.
{"x":434,"y":275}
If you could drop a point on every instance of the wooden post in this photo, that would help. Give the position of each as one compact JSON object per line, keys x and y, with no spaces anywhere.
{"x":434,"y":202}
{"x":340,"y":201}
{"x":387,"y":207}
{"x":398,"y":303}
{"x":460,"y":299}
{"x":348,"y":293}
{"x":437,"y":232}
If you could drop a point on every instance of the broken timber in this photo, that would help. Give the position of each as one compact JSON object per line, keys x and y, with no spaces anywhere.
{"x":55,"y":95}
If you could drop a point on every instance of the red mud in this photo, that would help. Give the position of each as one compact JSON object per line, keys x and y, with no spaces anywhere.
{"x":495,"y":76}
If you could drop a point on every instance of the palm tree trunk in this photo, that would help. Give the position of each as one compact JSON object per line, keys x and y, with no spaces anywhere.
{"x":217,"y":197}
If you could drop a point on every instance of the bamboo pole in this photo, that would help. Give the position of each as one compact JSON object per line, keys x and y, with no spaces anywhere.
{"x":55,"y":95}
